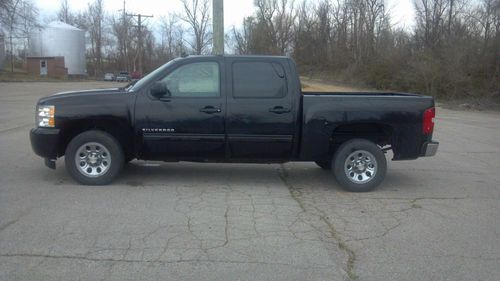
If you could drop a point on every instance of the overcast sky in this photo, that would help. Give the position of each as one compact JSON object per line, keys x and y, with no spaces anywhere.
{"x":234,"y":10}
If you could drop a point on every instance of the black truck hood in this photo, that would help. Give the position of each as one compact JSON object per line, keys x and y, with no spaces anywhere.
{"x":87,"y":94}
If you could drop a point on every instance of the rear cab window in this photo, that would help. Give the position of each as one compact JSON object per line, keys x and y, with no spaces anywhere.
{"x":254,"y":79}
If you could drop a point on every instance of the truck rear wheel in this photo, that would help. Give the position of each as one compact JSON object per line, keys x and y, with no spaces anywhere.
{"x":359,"y":165}
{"x":94,"y":158}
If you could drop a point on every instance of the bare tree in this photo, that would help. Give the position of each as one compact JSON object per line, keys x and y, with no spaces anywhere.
{"x":28,"y":14}
{"x":266,"y":10}
{"x":64,"y":13}
{"x":430,"y":20}
{"x":276,"y":19}
{"x":375,"y":15}
{"x":4,"y":4}
{"x":72,"y":18}
{"x":19,"y":16}
{"x":96,"y":14}
{"x":10,"y":19}
{"x":242,"y":37}
{"x":172,"y":38}
{"x":196,"y":14}
{"x":120,"y":27}
{"x":305,"y":37}
{"x":284,"y":25}
{"x":488,"y":17}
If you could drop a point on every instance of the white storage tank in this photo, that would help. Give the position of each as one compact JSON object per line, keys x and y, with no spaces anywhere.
{"x":60,"y":39}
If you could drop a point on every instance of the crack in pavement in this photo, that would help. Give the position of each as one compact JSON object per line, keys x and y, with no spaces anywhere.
{"x":389,"y":229}
{"x":84,"y":258}
{"x":15,"y":128}
{"x":297,"y":196}
{"x":9,"y":223}
{"x":22,"y":214}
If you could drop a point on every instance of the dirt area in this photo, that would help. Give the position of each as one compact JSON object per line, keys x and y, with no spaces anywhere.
{"x":316,"y":85}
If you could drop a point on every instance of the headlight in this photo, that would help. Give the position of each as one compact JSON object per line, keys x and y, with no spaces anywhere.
{"x":45,"y":116}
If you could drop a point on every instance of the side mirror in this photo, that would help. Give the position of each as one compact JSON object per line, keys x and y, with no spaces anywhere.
{"x":159,"y":90}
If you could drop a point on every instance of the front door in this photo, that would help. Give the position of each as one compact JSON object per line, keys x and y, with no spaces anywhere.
{"x":260,"y":122}
{"x":188,"y":122}
{"x":43,"y":67}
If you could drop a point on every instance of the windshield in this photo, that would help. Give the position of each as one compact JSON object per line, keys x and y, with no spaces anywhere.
{"x":146,"y":79}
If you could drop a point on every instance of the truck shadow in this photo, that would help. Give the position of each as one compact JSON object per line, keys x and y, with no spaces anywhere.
{"x":306,"y":176}
{"x":140,"y":173}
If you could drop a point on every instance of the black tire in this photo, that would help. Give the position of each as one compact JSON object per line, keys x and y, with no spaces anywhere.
{"x":116,"y":157}
{"x":341,"y":171}
{"x":325,"y":165}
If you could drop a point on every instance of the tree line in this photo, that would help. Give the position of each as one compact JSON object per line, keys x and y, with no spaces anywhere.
{"x":452,"y":50}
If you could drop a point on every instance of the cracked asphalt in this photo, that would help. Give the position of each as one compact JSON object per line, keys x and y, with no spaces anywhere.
{"x":432,"y":219}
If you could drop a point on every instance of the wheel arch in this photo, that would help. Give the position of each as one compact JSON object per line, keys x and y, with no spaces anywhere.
{"x":117,"y":128}
{"x":379,"y":133}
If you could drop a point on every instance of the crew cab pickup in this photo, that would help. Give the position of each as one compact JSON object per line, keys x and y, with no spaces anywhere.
{"x":238,"y":109}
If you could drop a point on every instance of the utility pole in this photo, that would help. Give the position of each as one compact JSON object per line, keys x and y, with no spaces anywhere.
{"x":125,"y":35}
{"x":140,"y":38}
{"x":218,"y":25}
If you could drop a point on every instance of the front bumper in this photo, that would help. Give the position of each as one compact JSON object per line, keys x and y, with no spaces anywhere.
{"x":44,"y":142}
{"x":429,"y":148}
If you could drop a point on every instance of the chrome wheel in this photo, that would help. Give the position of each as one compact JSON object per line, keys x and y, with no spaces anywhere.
{"x":93,"y":159}
{"x":360,"y":166}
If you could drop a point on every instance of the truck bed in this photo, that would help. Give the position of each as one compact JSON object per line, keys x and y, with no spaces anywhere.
{"x":401,"y":113}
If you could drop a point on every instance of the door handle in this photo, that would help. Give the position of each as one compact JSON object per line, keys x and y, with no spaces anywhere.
{"x":279,"y":110}
{"x":210,"y":110}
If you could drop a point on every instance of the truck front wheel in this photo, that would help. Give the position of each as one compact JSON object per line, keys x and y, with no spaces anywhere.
{"x":94,"y":158}
{"x":359,"y":165}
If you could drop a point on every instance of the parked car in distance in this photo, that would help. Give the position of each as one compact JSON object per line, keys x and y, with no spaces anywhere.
{"x":136,"y":75}
{"x":109,"y":77}
{"x":234,"y":109}
{"x":123,"y":76}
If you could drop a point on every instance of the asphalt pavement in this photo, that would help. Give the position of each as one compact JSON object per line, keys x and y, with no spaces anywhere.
{"x":432,"y":219}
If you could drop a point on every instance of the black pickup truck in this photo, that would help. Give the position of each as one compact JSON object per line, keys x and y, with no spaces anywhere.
{"x":239,"y":109}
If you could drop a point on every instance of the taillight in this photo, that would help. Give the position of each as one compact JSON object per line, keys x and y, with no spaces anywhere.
{"x":428,"y":121}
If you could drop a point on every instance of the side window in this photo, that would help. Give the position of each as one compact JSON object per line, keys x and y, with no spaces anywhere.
{"x":198,"y":80}
{"x":258,"y":80}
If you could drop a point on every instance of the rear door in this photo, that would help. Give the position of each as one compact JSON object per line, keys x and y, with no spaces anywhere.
{"x":260,"y":115}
